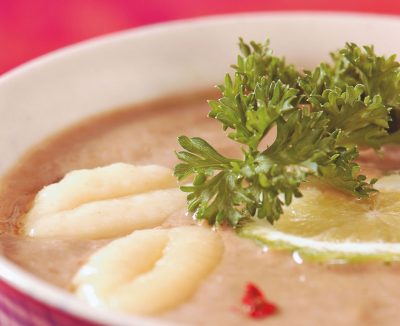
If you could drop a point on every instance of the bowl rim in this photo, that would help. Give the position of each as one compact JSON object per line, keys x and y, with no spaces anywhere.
{"x":58,"y":298}
{"x":179,"y":23}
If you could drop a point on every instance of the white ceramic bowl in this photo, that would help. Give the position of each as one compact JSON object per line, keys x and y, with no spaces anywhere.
{"x":63,"y":87}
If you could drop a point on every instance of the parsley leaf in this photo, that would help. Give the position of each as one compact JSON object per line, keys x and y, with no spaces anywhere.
{"x":251,"y":114}
{"x":358,"y":72}
{"x":257,"y":60}
{"x":363,"y":120}
{"x":320,"y":117}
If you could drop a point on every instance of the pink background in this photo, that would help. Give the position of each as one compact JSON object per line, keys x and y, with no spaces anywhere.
{"x":29,"y":28}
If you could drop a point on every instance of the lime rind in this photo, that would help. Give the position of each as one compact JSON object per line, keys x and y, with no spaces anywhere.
{"x":312,"y":249}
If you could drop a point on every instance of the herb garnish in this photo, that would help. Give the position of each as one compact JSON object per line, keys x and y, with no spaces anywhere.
{"x":321,"y":116}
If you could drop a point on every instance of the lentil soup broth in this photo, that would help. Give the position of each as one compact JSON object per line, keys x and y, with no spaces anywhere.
{"x":306,"y":293}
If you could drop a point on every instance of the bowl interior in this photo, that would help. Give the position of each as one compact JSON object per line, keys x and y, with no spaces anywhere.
{"x":58,"y":89}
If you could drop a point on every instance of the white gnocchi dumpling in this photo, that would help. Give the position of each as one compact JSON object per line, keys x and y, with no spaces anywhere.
{"x":104,"y":202}
{"x":149,"y":271}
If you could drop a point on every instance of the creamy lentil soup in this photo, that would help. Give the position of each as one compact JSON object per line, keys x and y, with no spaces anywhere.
{"x":306,"y":293}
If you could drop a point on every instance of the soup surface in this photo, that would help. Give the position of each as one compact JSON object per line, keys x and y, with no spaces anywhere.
{"x":306,"y":293}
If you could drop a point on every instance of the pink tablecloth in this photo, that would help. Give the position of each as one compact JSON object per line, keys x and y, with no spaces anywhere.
{"x":29,"y":28}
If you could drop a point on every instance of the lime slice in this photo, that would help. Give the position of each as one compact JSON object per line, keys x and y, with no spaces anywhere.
{"x":325,"y":225}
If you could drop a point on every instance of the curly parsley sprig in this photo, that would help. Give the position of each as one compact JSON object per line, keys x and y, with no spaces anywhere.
{"x":320,"y":117}
{"x":376,"y":79}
